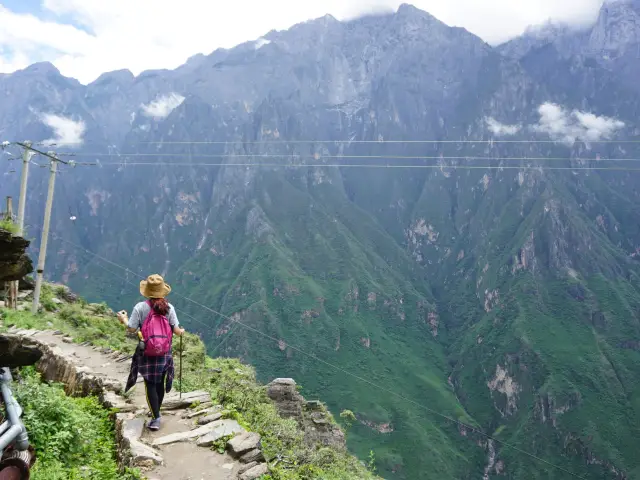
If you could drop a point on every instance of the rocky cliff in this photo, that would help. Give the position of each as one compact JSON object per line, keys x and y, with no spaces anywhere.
{"x":14,"y":261}
{"x":496,"y":269}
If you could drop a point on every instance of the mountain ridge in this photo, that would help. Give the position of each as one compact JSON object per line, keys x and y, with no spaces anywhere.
{"x":485,"y":294}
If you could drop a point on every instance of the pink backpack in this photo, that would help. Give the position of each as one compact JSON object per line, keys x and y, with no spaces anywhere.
{"x":157,"y":334}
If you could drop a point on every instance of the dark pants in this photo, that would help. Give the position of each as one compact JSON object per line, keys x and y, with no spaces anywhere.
{"x":155,"y":395}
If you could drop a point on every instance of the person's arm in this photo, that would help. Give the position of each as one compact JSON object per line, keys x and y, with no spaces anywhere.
{"x":132,"y":323}
{"x":173,"y":321}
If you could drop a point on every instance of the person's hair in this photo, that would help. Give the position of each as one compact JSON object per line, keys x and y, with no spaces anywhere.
{"x":159,"y":305}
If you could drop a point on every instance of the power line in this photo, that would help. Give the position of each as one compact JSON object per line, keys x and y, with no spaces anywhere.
{"x":260,"y":142}
{"x":367,"y":165}
{"x":182,"y":312}
{"x":50,"y":156}
{"x":346,"y":372}
{"x":320,"y":157}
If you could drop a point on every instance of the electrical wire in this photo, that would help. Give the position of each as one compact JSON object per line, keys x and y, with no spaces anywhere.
{"x":263,"y":142}
{"x":369,"y":165}
{"x":180,"y":311}
{"x":346,"y":372}
{"x":320,"y":157}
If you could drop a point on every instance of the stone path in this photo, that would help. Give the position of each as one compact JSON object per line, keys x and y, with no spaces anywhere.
{"x":180,"y":450}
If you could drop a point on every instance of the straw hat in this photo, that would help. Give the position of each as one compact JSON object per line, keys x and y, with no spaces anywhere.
{"x":154,"y":287}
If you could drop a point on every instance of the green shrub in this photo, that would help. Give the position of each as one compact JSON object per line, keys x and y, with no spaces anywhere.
{"x":73,"y":437}
{"x":9,"y":226}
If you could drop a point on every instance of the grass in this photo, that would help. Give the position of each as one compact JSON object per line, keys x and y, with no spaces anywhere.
{"x":231,"y":383}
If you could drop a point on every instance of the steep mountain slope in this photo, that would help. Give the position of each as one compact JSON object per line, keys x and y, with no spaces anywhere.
{"x":505,"y":297}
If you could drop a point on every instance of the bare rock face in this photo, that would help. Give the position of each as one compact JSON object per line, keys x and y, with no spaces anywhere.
{"x":14,"y":262}
{"x":289,"y":402}
{"x":313,"y":417}
{"x":15,"y":353}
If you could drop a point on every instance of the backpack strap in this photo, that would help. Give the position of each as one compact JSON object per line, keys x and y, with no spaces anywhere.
{"x":148,"y":302}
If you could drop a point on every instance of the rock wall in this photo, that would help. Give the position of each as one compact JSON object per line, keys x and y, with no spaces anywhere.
{"x":14,"y":262}
{"x":312,"y":416}
{"x":58,"y":366}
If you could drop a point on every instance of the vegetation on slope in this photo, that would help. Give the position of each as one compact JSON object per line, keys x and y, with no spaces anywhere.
{"x":230,"y":382}
{"x":73,"y":437}
{"x":8,"y":225}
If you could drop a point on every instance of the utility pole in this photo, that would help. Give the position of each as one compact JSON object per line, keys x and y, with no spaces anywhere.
{"x":26,"y":160}
{"x":22,"y":202}
{"x":12,"y":286}
{"x":45,"y":231}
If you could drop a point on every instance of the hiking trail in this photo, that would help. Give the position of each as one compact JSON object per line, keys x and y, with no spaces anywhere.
{"x":181,"y":450}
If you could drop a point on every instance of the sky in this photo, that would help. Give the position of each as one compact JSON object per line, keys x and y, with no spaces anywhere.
{"x":84,"y":38}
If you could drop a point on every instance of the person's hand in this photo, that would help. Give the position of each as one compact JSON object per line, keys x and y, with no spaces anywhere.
{"x":122,"y":316}
{"x":179,"y":331}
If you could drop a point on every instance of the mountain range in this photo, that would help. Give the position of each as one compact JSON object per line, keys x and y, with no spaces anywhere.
{"x":442,"y":235}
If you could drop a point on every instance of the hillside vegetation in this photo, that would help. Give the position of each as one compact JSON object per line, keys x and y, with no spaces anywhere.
{"x":388,"y":198}
{"x":53,"y":419}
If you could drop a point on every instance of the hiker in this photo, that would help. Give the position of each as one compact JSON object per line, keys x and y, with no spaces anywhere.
{"x":156,"y":322}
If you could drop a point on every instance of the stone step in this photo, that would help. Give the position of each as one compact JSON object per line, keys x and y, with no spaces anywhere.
{"x":255,"y":472}
{"x":128,"y":432}
{"x":243,"y":443}
{"x":209,"y":418}
{"x":217,"y":429}
{"x":174,"y":402}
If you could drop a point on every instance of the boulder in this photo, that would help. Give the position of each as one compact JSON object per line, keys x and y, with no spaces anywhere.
{"x":174,"y":402}
{"x":221,"y":428}
{"x":14,"y":262}
{"x":243,"y":443}
{"x":312,"y":417}
{"x":64,"y":293}
{"x":113,"y":401}
{"x":18,"y":352}
{"x":246,"y":467}
{"x":252,"y":456}
{"x":286,"y":397}
{"x":209,"y":418}
{"x":255,"y":472}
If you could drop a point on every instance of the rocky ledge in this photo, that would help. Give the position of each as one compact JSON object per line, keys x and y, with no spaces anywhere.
{"x":14,"y":262}
{"x":312,"y":416}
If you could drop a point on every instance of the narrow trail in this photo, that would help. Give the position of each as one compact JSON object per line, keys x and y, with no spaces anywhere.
{"x":181,"y":449}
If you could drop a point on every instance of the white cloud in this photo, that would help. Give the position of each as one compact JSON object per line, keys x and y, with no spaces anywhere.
{"x":261,"y":42}
{"x":501,"y":129}
{"x":161,"y":107}
{"x":67,"y":132}
{"x":150,"y":34}
{"x":568,"y":127}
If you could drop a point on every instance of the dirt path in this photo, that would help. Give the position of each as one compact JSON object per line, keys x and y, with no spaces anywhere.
{"x":173,"y":452}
